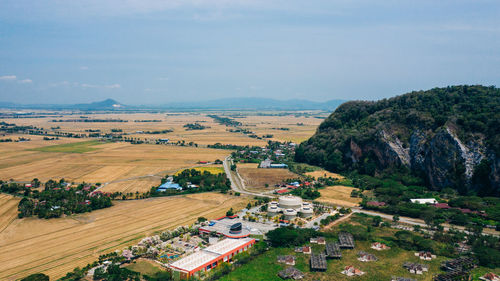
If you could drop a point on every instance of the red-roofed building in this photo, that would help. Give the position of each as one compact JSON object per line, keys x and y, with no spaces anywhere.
{"x":442,"y":205}
{"x":465,"y":211}
{"x":281,"y":191}
{"x":376,"y":204}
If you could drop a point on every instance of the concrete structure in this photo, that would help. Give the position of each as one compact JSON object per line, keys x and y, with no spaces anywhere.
{"x":231,"y":227}
{"x":290,"y":202}
{"x":306,"y":212}
{"x":291,"y":206}
{"x":290,"y":214}
{"x":210,"y":257}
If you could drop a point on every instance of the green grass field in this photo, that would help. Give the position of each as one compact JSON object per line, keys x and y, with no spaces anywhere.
{"x":77,"y":147}
{"x":144,"y":267}
{"x":389,"y":264}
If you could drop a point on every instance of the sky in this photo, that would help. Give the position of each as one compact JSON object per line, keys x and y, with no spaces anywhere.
{"x":157,"y":52}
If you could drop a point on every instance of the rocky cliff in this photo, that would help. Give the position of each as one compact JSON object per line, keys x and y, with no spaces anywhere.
{"x":447,"y":136}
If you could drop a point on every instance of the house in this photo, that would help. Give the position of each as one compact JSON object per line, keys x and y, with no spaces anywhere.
{"x":288,"y":260}
{"x":424,"y":201}
{"x":375,"y":204}
{"x":352,"y":271}
{"x":416,"y":268}
{"x":291,"y":273}
{"x":425,"y":255}
{"x":490,"y":277}
{"x":28,"y":185}
{"x":169,"y":185}
{"x":318,"y":262}
{"x":366,"y":257}
{"x":442,"y":205}
{"x":282,"y":191}
{"x":306,"y":250}
{"x":127,"y":254}
{"x":278,"y":166}
{"x":379,"y":246}
{"x":318,"y":240}
{"x":265,"y":164}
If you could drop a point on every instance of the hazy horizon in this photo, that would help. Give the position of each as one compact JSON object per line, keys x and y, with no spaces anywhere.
{"x":157,"y":52}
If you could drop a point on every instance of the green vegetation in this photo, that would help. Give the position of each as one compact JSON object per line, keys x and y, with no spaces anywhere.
{"x":76,"y":147}
{"x":56,"y":199}
{"x":225,"y":120}
{"x":144,"y":267}
{"x":356,"y":135}
{"x":36,"y":277}
{"x":194,"y":181}
{"x":194,"y":126}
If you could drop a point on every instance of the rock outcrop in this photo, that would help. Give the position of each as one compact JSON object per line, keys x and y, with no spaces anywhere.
{"x":441,"y":135}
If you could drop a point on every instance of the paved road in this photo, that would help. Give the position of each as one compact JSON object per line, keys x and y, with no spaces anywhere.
{"x":413,"y":221}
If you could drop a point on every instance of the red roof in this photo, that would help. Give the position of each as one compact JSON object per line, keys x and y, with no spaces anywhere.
{"x":442,"y":205}
{"x":377,"y":204}
{"x":282,"y":191}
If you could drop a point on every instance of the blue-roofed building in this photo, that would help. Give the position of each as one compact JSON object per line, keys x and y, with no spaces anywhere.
{"x":169,"y":185}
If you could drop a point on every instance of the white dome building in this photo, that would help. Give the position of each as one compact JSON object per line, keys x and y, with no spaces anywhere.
{"x":290,"y":202}
{"x":290,"y":214}
{"x":290,"y":206}
{"x":306,"y":212}
{"x":273,"y":210}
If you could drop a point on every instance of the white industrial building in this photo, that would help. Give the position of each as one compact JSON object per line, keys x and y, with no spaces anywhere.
{"x":290,"y":206}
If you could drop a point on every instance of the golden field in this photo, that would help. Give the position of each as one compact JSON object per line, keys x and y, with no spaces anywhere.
{"x":324,"y":174}
{"x":257,"y":178}
{"x":338,"y":195}
{"x":8,"y":210}
{"x":252,"y":121}
{"x":56,"y":246}
{"x":126,"y":167}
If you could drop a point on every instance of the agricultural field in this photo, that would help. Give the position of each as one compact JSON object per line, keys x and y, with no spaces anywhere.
{"x":299,"y":128}
{"x":56,"y":246}
{"x":213,"y":169}
{"x":325,"y":174}
{"x":256,"y":178}
{"x":119,"y":166}
{"x":338,"y":195}
{"x":8,"y":210}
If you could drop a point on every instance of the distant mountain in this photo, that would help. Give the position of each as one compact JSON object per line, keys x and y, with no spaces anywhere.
{"x":256,"y":104}
{"x":219,"y":104}
{"x":108,"y":104}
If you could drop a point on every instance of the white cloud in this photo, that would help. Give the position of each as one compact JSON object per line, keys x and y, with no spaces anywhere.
{"x":111,"y":86}
{"x":25,"y":81}
{"x":8,"y":77}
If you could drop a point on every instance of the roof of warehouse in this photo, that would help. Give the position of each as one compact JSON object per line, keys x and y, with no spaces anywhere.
{"x":208,"y":254}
